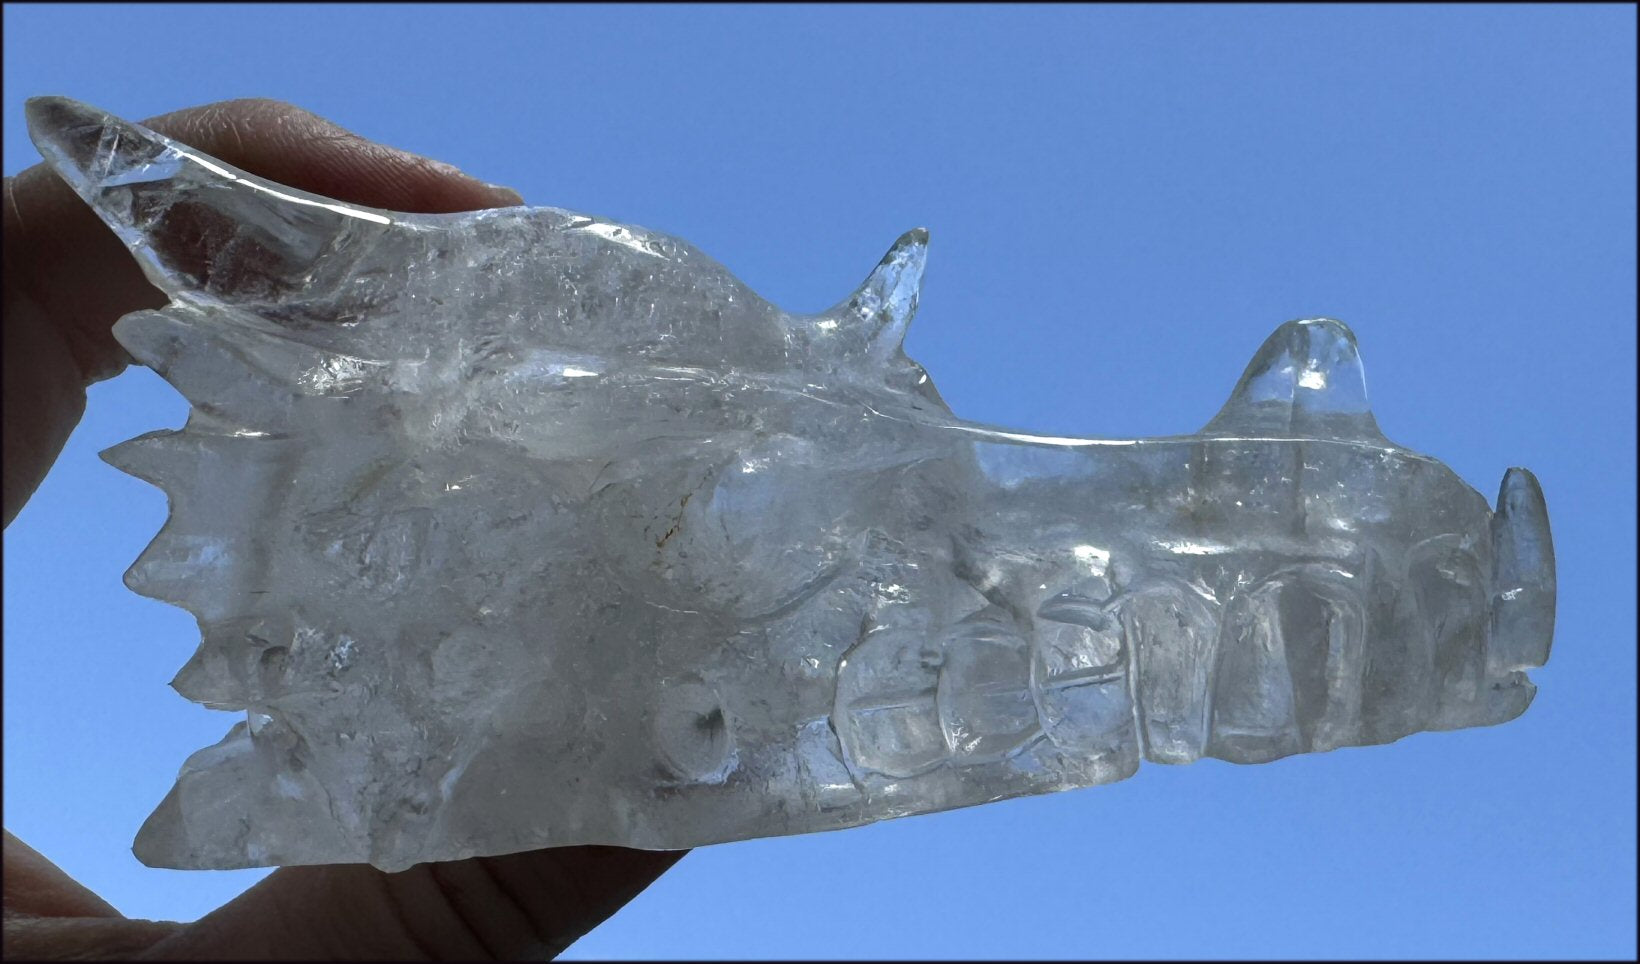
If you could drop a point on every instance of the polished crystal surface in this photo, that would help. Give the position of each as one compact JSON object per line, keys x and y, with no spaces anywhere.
{"x":522,"y":528}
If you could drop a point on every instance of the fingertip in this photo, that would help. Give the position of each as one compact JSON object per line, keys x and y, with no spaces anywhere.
{"x":505,"y":197}
{"x":430,"y":186}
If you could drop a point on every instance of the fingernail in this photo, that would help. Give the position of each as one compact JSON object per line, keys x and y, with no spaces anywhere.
{"x":512,"y":197}
{"x":503,"y":195}
{"x":444,"y":168}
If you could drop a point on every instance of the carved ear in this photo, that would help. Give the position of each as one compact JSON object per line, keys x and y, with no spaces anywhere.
{"x":197,"y":225}
{"x":1306,"y":380}
{"x":873,"y":321}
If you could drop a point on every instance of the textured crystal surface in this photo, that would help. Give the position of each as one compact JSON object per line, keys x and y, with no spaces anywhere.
{"x":522,"y":528}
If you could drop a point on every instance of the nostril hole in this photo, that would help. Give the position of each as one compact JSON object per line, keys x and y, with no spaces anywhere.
{"x":710,"y":724}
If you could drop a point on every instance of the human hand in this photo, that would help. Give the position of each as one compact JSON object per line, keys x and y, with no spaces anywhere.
{"x":67,"y":280}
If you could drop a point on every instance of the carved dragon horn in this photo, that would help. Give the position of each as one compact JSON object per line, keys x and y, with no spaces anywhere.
{"x":199,"y":227}
{"x":872,"y":322}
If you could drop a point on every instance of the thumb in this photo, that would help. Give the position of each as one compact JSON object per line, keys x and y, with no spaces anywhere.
{"x":527,"y":906}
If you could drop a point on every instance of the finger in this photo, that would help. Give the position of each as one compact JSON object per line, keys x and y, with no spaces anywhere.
{"x":528,"y":906}
{"x":287,"y":144}
{"x":39,"y":888}
{"x":49,"y":915}
{"x":81,"y":938}
{"x":43,"y":394}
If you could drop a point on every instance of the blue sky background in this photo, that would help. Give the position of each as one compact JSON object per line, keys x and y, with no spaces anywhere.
{"x":1124,"y":201}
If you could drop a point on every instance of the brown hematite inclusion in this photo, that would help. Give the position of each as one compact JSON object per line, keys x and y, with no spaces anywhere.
{"x":521,"y":528}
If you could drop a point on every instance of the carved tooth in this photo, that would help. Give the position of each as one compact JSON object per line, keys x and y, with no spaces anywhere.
{"x":1173,"y":633}
{"x":165,"y":458}
{"x":1398,"y":685}
{"x":983,"y":696}
{"x":1082,"y":680}
{"x":207,"y":678}
{"x":886,"y":703}
{"x":181,"y":567}
{"x":1446,"y":580}
{"x":1255,"y":711}
{"x":1291,"y":666}
{"x":1305,"y":381}
{"x":239,"y":775}
{"x":164,"y":833}
{"x":246,"y":465}
{"x":1342,"y":652}
{"x":214,"y":368}
{"x":241,"y":660}
{"x":203,"y":557}
{"x":1523,"y":576}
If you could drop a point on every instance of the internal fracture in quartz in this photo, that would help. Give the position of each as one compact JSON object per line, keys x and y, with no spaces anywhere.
{"x":521,"y":528}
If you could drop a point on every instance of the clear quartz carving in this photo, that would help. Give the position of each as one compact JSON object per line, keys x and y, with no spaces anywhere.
{"x":521,"y":528}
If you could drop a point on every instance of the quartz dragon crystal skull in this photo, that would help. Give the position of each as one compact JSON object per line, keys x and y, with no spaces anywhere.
{"x":520,"y":528}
